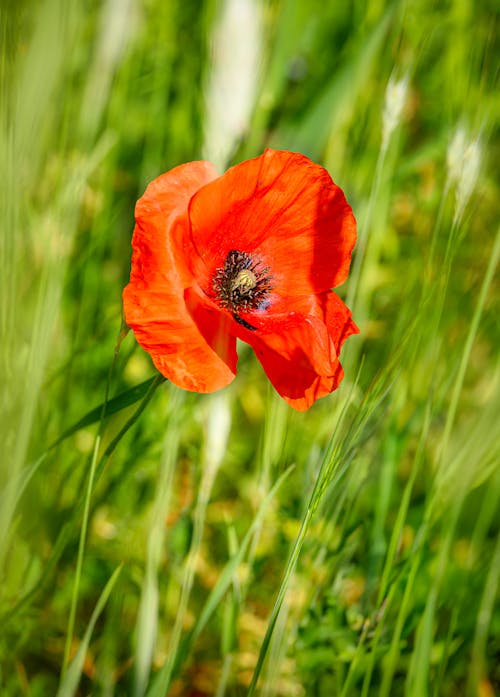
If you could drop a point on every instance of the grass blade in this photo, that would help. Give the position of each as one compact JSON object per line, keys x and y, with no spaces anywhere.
{"x":71,"y":678}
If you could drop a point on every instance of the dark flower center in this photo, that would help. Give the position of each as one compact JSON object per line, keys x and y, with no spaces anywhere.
{"x":242,"y":284}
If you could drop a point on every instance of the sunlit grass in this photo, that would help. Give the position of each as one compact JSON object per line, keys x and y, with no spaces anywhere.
{"x":171,"y":542}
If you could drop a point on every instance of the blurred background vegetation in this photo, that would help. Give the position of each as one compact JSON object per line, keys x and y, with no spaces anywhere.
{"x":217,"y":545}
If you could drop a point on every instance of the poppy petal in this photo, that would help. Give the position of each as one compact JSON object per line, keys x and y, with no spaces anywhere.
{"x":154,"y":300}
{"x":299,"y":347}
{"x":162,"y":232}
{"x":165,"y":328}
{"x":284,"y":209}
{"x":338,"y":319}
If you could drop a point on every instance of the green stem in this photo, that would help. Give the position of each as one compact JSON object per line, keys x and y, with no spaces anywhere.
{"x":457,"y":389}
{"x":290,"y":568}
{"x":79,"y":562}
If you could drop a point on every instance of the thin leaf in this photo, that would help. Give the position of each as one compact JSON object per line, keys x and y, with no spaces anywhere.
{"x":71,"y":678}
{"x":121,"y":401}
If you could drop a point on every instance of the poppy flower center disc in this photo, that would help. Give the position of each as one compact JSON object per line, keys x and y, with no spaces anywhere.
{"x":242,"y":285}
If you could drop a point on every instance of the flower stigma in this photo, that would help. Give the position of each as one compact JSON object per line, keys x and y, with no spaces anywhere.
{"x":241,"y":285}
{"x":245,"y":281}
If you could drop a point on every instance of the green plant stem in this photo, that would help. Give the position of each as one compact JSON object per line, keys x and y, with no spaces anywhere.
{"x":79,"y":561}
{"x":290,"y":568}
{"x":363,"y":239}
{"x":86,"y":507}
{"x":209,"y":473}
{"x":471,"y":335}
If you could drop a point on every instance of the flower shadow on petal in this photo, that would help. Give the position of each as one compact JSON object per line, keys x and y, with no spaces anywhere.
{"x":213,"y":325}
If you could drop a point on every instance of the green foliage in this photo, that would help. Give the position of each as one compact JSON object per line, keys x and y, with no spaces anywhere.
{"x":350,"y":550}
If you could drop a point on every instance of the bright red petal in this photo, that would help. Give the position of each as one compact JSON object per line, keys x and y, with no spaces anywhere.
{"x":164,"y":327}
{"x":154,"y":300}
{"x":284,"y":209}
{"x":162,"y":233}
{"x":298,"y":346}
{"x":338,"y":319}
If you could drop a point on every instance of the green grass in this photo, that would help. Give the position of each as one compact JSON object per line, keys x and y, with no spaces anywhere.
{"x":157,"y":542}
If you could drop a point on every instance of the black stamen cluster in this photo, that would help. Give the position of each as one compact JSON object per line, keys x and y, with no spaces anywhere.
{"x":237,"y":298}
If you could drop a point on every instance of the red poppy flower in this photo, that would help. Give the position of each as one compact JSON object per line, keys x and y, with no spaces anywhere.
{"x":251,"y":254}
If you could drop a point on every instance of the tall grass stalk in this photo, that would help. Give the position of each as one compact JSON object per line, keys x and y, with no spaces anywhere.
{"x":471,"y":335}
{"x":330,"y":471}
{"x":231,"y":83}
{"x":394,"y":102}
{"x":486,"y":608}
{"x":71,"y":677}
{"x":218,"y":425}
{"x":79,"y":559}
{"x":86,"y":507}
{"x":33,"y":317}
{"x":147,"y":618}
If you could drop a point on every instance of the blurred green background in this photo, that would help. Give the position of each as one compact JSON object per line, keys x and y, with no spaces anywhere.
{"x":221,"y":545}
